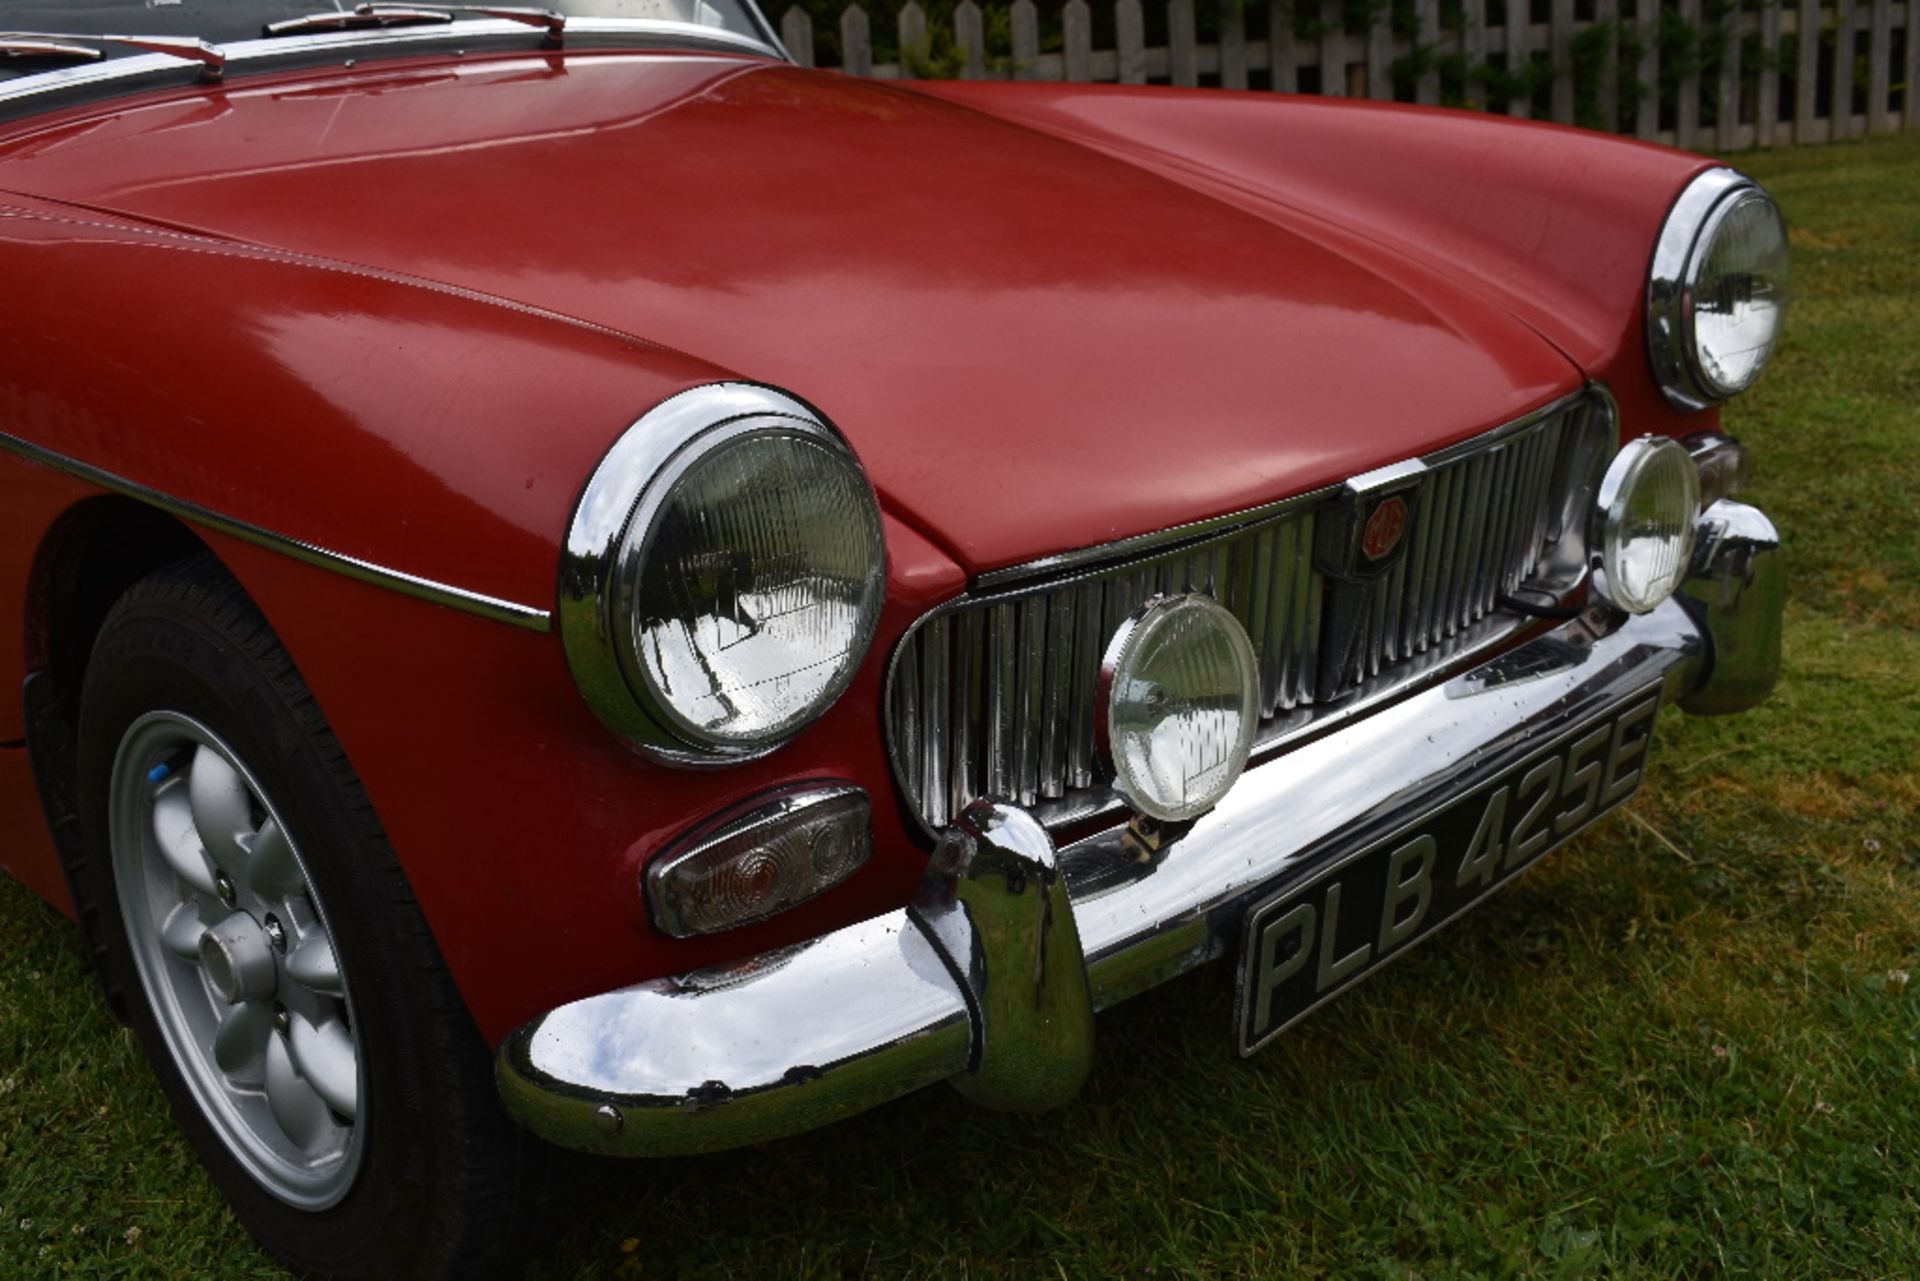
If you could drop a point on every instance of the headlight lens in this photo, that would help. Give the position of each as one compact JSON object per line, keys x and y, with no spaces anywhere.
{"x":757,"y":592}
{"x":723,"y":578}
{"x":1181,"y":701}
{"x":1649,"y":500}
{"x":1719,"y":292}
{"x":1740,"y":292}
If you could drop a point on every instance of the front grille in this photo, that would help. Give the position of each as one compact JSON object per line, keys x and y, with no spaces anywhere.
{"x":993,"y":695}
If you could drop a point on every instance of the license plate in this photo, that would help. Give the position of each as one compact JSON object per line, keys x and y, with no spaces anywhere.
{"x":1315,"y":938}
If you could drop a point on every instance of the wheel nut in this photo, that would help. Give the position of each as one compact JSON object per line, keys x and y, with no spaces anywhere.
{"x":224,"y":884}
{"x":276,"y":932}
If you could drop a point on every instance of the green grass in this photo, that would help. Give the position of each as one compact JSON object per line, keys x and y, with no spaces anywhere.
{"x":1685,"y":1045}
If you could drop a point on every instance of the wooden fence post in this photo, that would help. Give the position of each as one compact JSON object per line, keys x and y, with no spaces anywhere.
{"x":1686,"y":109}
{"x":1880,"y":66}
{"x":1727,"y":105}
{"x":796,"y":32}
{"x":970,"y":30}
{"x":1380,"y":55}
{"x":1233,"y":46}
{"x":1473,"y":43}
{"x":1076,"y":28}
{"x":1913,"y":64}
{"x":1806,"y":71}
{"x":1561,"y":42}
{"x":1606,"y":102}
{"x":856,"y":42}
{"x":1426,"y":51}
{"x":911,"y":26}
{"x":1519,"y":54}
{"x":1646,"y":19}
{"x":1283,"y":54}
{"x":1026,"y":40}
{"x":1766,"y":103}
{"x":1333,"y":49}
{"x":1130,"y":32}
{"x":1183,"y":63}
{"x":1840,"y":109}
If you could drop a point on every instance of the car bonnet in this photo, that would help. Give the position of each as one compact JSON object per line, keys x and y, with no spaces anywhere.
{"x":1032,"y":346}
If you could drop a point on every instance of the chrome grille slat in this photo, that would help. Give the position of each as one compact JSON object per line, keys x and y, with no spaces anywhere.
{"x":996,"y":696}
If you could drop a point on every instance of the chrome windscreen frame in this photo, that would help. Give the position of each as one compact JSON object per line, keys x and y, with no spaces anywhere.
{"x":63,"y":86}
{"x":1569,"y":570}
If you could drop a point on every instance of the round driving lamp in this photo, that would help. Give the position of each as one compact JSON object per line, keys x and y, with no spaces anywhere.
{"x":723,"y":576}
{"x":1179,"y":702}
{"x":1648,"y":502}
{"x":1718,"y":291}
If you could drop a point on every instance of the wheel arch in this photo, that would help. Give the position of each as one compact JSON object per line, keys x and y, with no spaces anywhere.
{"x":89,"y":556}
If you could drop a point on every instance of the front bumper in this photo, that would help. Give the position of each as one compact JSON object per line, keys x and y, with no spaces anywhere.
{"x":991,"y":979}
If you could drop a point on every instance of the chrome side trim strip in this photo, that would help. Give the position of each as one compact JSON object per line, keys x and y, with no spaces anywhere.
{"x":478,"y":604}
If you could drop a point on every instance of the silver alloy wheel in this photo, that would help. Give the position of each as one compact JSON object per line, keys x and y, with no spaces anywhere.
{"x":236,"y":957}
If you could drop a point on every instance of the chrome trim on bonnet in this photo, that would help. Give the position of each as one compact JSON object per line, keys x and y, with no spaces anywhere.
{"x":797,"y":1038}
{"x":478,"y":604}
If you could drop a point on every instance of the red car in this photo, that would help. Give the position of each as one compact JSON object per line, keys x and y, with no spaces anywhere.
{"x":565,"y":575}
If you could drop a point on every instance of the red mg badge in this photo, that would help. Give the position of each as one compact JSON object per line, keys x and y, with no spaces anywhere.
{"x":1384,"y":527}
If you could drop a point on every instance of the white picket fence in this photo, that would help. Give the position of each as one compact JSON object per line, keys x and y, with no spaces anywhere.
{"x":1853,"y":77}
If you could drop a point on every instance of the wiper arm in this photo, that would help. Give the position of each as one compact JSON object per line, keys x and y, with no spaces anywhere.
{"x":394,"y":15}
{"x":211,"y":57}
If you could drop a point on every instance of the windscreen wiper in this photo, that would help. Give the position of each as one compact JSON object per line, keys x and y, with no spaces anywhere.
{"x":363,"y":16}
{"x":12,"y":46}
{"x":211,"y":57}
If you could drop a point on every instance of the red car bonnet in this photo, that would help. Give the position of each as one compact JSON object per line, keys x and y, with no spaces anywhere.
{"x":1033,"y":346}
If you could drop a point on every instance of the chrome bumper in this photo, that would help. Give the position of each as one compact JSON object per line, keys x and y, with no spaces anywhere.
{"x":991,"y":979}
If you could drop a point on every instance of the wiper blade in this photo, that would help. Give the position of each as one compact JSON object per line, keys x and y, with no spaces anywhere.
{"x":26,"y":47}
{"x":363,"y":16}
{"x":554,"y":22}
{"x":211,"y":57}
{"x":356,"y":19}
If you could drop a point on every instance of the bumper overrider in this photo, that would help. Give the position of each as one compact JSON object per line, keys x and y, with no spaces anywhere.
{"x":991,"y":978}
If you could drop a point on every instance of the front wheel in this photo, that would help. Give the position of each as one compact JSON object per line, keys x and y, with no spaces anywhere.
{"x":280,"y":977}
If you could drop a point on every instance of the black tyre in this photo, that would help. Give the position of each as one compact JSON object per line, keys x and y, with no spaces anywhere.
{"x":274,"y":963}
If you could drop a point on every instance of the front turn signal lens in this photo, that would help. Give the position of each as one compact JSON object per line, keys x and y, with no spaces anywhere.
{"x":751,"y":865}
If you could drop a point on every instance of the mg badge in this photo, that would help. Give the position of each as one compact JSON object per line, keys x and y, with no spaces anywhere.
{"x":1383,"y":529}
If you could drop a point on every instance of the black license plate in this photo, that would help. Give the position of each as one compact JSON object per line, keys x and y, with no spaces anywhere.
{"x":1314,"y":939}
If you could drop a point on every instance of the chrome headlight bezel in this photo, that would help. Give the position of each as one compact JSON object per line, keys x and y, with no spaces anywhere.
{"x":1686,"y":240}
{"x":601,"y":563}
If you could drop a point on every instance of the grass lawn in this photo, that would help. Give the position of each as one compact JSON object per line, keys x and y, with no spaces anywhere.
{"x":1687,"y":1044}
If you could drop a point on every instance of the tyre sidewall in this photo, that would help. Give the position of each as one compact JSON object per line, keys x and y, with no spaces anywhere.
{"x":154,"y":655}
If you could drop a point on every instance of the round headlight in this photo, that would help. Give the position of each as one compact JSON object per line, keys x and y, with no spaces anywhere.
{"x":1649,"y":499}
{"x":1180,"y":698}
{"x":1719,"y":289}
{"x":724,"y":575}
